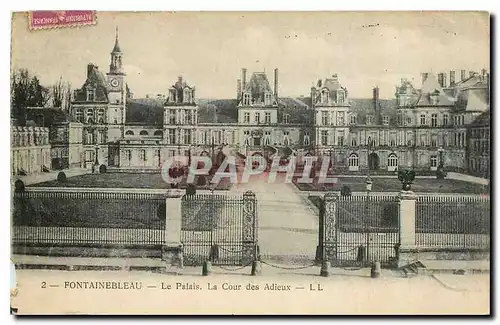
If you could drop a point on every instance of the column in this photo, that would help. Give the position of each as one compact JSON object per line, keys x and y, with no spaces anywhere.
{"x":172,"y":250}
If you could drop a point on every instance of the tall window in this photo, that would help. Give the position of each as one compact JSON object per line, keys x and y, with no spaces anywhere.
{"x":267,"y":117}
{"x":307,"y":138}
{"x":422,"y":140}
{"x":79,"y":115}
{"x":353,"y":119}
{"x":340,"y":97}
{"x":445,"y":119}
{"x":257,"y":118}
{"x":434,"y":120}
{"x":189,"y":117}
{"x":354,"y":142}
{"x":246,"y":117}
{"x":267,"y":138}
{"x":286,"y":140}
{"x":340,"y":118}
{"x":433,"y":140}
{"x":324,"y":137}
{"x":422,"y":119}
{"x":324,"y":118}
{"x":89,"y":115}
{"x":246,"y":99}
{"x":90,"y":95}
{"x":340,"y":138}
{"x":143,"y":155}
{"x":172,"y":117}
{"x":286,"y":118}
{"x":324,"y":96}
{"x":187,"y":136}
{"x":267,"y":99}
{"x":171,"y":136}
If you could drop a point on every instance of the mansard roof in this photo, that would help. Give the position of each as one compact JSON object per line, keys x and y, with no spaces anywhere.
{"x":95,"y":80}
{"x":217,"y":111}
{"x":482,"y":120}
{"x":148,"y":111}
{"x":431,"y":87}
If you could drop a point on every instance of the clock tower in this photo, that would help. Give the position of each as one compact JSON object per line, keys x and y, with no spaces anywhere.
{"x":116,"y":76}
{"x":117,"y":94}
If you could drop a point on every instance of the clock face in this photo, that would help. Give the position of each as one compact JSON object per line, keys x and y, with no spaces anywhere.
{"x":114,"y":82}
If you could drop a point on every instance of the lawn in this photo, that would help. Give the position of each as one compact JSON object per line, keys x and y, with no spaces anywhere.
{"x":420,"y":185}
{"x":125,"y":180}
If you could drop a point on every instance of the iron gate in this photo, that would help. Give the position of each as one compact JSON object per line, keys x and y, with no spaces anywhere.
{"x":360,"y":229}
{"x":219,"y":228}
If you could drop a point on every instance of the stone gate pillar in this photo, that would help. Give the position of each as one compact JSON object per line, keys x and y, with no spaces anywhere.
{"x":250,"y":249}
{"x":407,"y":234}
{"x":329,"y":231}
{"x":172,"y":250}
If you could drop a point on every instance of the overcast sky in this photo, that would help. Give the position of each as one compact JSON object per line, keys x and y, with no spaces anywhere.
{"x":209,"y":49}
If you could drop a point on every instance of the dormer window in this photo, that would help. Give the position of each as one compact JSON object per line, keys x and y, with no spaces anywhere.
{"x":324,"y":96}
{"x":267,"y":98}
{"x":286,"y":118}
{"x":340,"y":97}
{"x":434,"y":98}
{"x":369,"y":119}
{"x":385,"y":120}
{"x":246,"y":99}
{"x":90,"y":95}
{"x":353,"y":119}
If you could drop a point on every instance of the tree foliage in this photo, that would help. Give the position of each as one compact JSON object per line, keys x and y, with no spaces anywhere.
{"x":61,"y":94}
{"x":26,"y":91}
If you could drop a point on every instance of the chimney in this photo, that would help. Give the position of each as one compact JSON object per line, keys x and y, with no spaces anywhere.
{"x":445,"y":81}
{"x":276,"y":83}
{"x":425,"y":75}
{"x":441,"y":79}
{"x":452,"y":78}
{"x":238,"y":89}
{"x":462,"y":75}
{"x":244,"y":77}
{"x":376,"y":104}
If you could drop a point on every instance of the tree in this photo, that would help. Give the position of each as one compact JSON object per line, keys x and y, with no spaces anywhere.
{"x":61,"y":94}
{"x":26,"y":91}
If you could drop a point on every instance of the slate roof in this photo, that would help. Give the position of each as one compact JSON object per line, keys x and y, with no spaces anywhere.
{"x":96,"y":80}
{"x":257,"y":86}
{"x":431,"y":87}
{"x":217,"y":111}
{"x":147,"y":111}
{"x":482,"y":120}
{"x":48,"y":116}
{"x":473,"y":99}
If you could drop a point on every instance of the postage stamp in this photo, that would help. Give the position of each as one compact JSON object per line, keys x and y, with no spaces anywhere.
{"x":45,"y":19}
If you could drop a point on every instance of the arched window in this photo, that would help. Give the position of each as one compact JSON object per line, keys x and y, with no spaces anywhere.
{"x":392,"y":162}
{"x":101,"y":121}
{"x":90,"y":120}
{"x":129,"y":132}
{"x":158,"y":133}
{"x":353,"y":162}
{"x":144,"y":132}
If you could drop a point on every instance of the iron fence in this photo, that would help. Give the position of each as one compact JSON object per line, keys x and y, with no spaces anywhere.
{"x":367,"y":228}
{"x":462,"y":222}
{"x":220,"y":228}
{"x":81,"y":217}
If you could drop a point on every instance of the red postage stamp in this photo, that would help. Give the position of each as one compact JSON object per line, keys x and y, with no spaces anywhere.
{"x":56,"y":19}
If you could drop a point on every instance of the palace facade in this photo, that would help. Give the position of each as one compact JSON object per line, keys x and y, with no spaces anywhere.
{"x":419,"y":126}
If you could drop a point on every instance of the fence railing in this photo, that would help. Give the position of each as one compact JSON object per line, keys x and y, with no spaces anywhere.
{"x":453,"y":221}
{"x":220,"y":228}
{"x":81,"y":217}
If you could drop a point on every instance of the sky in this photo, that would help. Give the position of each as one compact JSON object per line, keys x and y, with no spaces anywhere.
{"x":365,"y":49}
